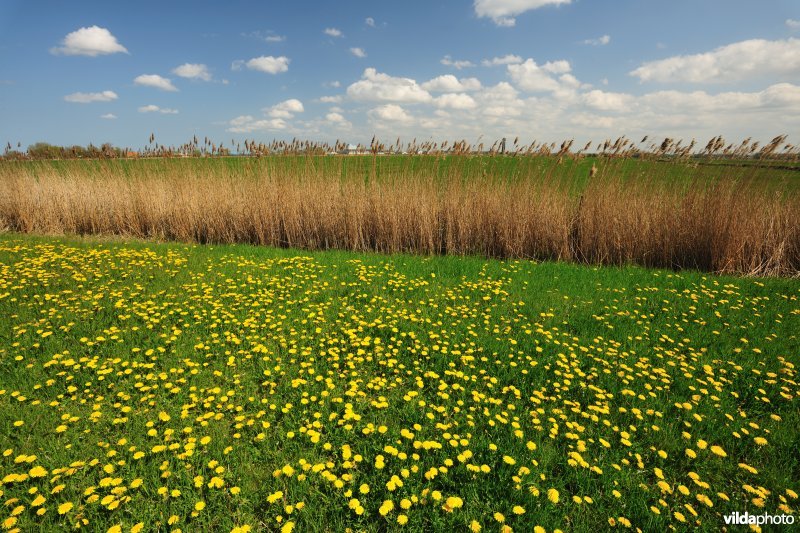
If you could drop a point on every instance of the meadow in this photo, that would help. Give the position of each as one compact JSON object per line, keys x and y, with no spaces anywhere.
{"x":179,"y":387}
{"x":724,"y":213}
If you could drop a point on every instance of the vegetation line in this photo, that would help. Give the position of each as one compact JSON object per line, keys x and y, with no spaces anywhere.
{"x":597,"y":210}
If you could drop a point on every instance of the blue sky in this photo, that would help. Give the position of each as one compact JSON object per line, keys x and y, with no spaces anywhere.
{"x":539,"y":69}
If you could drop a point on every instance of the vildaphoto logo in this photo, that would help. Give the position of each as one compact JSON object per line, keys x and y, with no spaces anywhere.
{"x":744,"y":519}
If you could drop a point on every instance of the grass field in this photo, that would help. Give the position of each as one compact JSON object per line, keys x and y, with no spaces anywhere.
{"x":162,"y":387}
{"x":723,"y":216}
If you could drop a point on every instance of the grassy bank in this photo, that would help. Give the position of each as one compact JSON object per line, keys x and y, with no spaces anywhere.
{"x":211,"y":388}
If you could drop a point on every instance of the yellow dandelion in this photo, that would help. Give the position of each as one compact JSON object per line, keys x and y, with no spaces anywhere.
{"x":717,"y":450}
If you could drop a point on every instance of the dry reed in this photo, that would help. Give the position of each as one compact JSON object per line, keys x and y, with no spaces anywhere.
{"x":732,"y":225}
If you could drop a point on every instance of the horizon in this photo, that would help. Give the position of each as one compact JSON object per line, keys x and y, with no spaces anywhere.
{"x":543,"y":70}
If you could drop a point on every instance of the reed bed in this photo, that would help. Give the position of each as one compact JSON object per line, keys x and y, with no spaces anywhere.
{"x":720,"y":218}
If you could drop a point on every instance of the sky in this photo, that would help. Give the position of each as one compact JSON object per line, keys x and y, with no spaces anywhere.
{"x":97,"y":71}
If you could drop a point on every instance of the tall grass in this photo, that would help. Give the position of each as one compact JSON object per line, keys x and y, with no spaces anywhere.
{"x":733,"y":219}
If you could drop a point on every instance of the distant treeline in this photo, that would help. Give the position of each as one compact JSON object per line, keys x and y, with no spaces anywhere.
{"x":43,"y":150}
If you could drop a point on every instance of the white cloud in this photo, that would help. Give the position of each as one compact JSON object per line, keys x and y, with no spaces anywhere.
{"x":600,"y":41}
{"x":390,"y":113}
{"x":450,"y":84}
{"x":86,"y":98}
{"x":277,"y":116}
{"x":268,"y":64}
{"x":557,"y":67}
{"x":248,"y":124}
{"x":793,"y":24}
{"x":500,"y":101}
{"x":502,"y":12}
{"x":783,"y":96}
{"x":531,"y":77}
{"x":269,"y":36}
{"x":457,"y":64}
{"x":155,"y":109}
{"x":285,"y":109}
{"x":752,"y":59}
{"x":154,"y":80}
{"x":92,"y":41}
{"x":608,"y":101}
{"x":438,"y":124}
{"x":376,"y":86}
{"x":455,"y":101}
{"x":330,"y":99}
{"x":333,"y":32}
{"x":197,"y":71}
{"x":358,"y":52}
{"x":509,"y":59}
{"x":109,"y":116}
{"x":369,"y":21}
{"x":336,"y":118}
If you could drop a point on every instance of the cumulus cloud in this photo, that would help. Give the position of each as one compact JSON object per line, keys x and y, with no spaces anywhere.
{"x":155,"y":109}
{"x":531,"y":77}
{"x":600,"y":41}
{"x":337,"y":119}
{"x":751,"y":59}
{"x":779,"y":96}
{"x":276,"y":117}
{"x":455,"y":101}
{"x":376,"y":86}
{"x":285,"y":109}
{"x":154,"y":80}
{"x":509,"y":59}
{"x":390,"y":113}
{"x":268,"y":64}
{"x":330,"y":99}
{"x":369,"y":21}
{"x":503,"y":12}
{"x":92,"y":41}
{"x":196,"y":71}
{"x":358,"y":52}
{"x":108,"y":116}
{"x":557,"y":67}
{"x":249,"y":124}
{"x":450,"y":84}
{"x":87,"y":98}
{"x":608,"y":101}
{"x":500,"y":101}
{"x":793,"y":24}
{"x":457,"y":64}
{"x":333,"y":32}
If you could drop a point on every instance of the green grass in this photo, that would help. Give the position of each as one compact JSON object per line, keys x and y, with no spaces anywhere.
{"x":224,"y":339}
